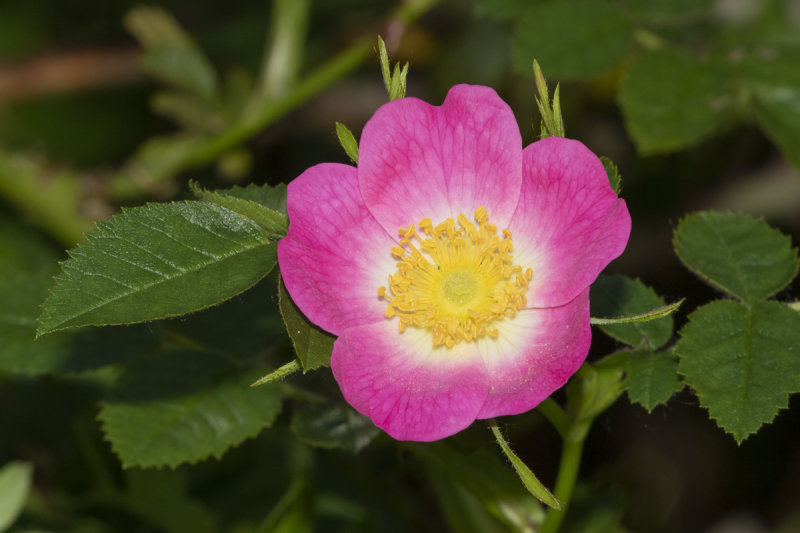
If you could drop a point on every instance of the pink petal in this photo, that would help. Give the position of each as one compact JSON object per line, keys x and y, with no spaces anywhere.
{"x":569,"y":224}
{"x":409,"y":389}
{"x":534,"y":355}
{"x":335,"y":255}
{"x":417,"y":160}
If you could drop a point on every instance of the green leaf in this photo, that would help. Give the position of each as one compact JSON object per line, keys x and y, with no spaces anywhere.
{"x":162,"y":497}
{"x":312,"y":345}
{"x":333,"y":425}
{"x":479,"y":477}
{"x":21,"y":294}
{"x":182,"y":407}
{"x":15,"y":483}
{"x":614,"y":179}
{"x":272,"y":222}
{"x":347,"y":141}
{"x":170,"y":54}
{"x":266,"y":195}
{"x":669,"y":101}
{"x":742,"y":362}
{"x":157,"y":261}
{"x":735,"y":253}
{"x":651,"y":378}
{"x":773,"y":83}
{"x":618,"y":296}
{"x":577,"y":39}
{"x":527,"y":477}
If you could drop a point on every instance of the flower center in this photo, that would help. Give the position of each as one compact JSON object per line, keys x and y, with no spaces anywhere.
{"x":456,"y":281}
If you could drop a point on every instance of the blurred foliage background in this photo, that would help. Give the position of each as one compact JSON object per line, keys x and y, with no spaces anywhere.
{"x":107,"y":103}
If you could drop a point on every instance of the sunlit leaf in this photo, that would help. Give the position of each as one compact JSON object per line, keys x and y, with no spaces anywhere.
{"x":182,"y":407}
{"x":618,"y":296}
{"x":158,"y":261}
{"x":742,"y":362}
{"x":272,"y":222}
{"x":312,"y":345}
{"x":572,"y":40}
{"x":651,"y":378}
{"x":348,"y":141}
{"x":735,"y":253}
{"x":614,"y":179}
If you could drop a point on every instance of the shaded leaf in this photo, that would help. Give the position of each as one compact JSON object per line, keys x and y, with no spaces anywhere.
{"x":15,"y":483}
{"x":182,"y":407}
{"x":669,"y":101}
{"x":486,"y":480}
{"x":502,"y":9}
{"x":333,"y":425}
{"x":312,"y":345}
{"x":773,"y":83}
{"x":157,"y":261}
{"x":21,"y":294}
{"x":578,"y":39}
{"x":169,"y":52}
{"x":619,"y":296}
{"x":735,"y":253}
{"x":651,"y":378}
{"x":741,"y":362}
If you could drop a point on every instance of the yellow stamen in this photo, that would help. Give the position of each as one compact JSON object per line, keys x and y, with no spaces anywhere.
{"x":456,"y":281}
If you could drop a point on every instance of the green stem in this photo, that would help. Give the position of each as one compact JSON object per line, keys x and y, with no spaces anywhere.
{"x":276,"y":375}
{"x":283,"y":56}
{"x":556,"y":415}
{"x":565,"y":483}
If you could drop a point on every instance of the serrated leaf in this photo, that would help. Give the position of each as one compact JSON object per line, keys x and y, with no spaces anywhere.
{"x":614,"y":179}
{"x":651,"y":378}
{"x":15,"y":482}
{"x":735,"y":253}
{"x":669,"y":101}
{"x":333,"y":425}
{"x":170,"y":54}
{"x":273,"y":197}
{"x":274,"y":223}
{"x":742,"y":362}
{"x":157,"y":261}
{"x":574,"y":40}
{"x":21,"y":294}
{"x":348,"y":141}
{"x":618,"y":296}
{"x":182,"y":407}
{"x":312,"y":345}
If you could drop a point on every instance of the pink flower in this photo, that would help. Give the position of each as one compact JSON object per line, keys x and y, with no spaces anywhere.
{"x":453,"y":265}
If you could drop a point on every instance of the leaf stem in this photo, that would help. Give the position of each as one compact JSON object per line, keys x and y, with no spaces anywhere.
{"x":565,"y":482}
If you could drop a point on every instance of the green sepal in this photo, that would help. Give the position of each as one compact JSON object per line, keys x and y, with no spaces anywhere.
{"x":348,"y":141}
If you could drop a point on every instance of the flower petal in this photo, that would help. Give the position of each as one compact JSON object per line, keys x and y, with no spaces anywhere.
{"x":335,"y":255}
{"x":417,"y":160}
{"x":569,"y":224}
{"x":408,"y":388}
{"x":534,"y":355}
